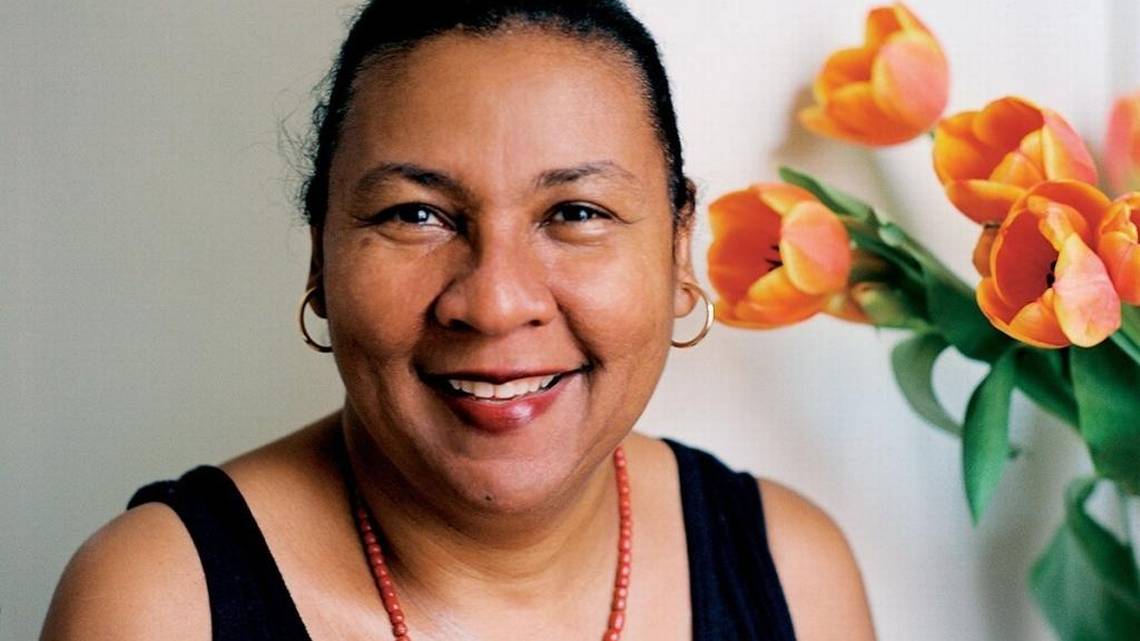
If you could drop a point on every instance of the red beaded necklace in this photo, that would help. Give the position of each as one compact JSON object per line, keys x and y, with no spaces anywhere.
{"x":387,"y":589}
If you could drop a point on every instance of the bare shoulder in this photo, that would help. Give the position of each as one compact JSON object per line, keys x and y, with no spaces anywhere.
{"x":138,"y":577}
{"x":818,"y":572}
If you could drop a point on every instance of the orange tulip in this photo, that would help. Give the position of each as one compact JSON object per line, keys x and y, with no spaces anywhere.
{"x":1122,"y":144}
{"x":885,"y":92}
{"x":1118,"y":247}
{"x":987,"y":159}
{"x":778,"y":256}
{"x":1047,"y":287}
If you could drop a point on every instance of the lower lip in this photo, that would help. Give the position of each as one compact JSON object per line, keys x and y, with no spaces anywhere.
{"x":498,"y":416}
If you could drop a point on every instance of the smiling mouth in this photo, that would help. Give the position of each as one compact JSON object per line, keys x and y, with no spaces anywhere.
{"x":505,"y":392}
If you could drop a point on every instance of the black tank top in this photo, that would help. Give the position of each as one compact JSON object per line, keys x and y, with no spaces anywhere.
{"x":735,"y":592}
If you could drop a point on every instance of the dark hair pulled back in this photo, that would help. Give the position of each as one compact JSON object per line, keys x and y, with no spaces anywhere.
{"x":383,"y":29}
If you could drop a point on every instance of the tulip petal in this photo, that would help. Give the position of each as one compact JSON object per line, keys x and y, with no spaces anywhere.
{"x":853,"y":108}
{"x":911,"y":80}
{"x":1089,"y":201}
{"x":1030,"y":147}
{"x":1087,"y":305}
{"x":781,"y":197}
{"x":1017,"y":169}
{"x":815,"y":120}
{"x":881,"y":23}
{"x":842,"y":68}
{"x":1065,"y":154}
{"x":983,"y":248}
{"x":958,"y":154}
{"x":815,"y":249}
{"x":1117,"y":246}
{"x":1121,"y":256}
{"x":1035,"y":323}
{"x":1021,"y":260}
{"x":908,"y":21}
{"x":992,"y":305}
{"x":1123,"y":216}
{"x":774,"y":300}
{"x":1004,"y":122}
{"x":746,"y":235}
{"x":982,"y":200}
{"x":723,"y":312}
{"x":1056,"y":221}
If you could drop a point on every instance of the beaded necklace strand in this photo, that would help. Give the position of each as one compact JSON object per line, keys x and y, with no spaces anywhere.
{"x":367,"y":528}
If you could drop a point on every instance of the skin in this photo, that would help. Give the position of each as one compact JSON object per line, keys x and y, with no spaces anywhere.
{"x":491,"y":536}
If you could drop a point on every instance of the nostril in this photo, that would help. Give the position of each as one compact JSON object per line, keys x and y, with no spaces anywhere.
{"x":458,"y":325}
{"x":499,"y":292}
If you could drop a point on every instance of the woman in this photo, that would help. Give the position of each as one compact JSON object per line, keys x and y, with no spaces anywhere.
{"x":501,"y":243}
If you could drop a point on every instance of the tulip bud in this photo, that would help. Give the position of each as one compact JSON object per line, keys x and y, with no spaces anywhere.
{"x":886,"y":306}
{"x":987,"y":160}
{"x":887,"y":91}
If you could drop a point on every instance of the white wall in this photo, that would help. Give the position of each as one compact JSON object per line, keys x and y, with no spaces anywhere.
{"x":150,"y":263}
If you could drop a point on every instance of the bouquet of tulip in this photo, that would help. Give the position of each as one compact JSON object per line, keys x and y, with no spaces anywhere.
{"x":1055,"y":314}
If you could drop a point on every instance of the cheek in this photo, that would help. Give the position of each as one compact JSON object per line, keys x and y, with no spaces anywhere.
{"x":377,"y":299}
{"x":618,"y":301}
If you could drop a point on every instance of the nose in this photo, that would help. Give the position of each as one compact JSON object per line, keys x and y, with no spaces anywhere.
{"x":502,"y":287}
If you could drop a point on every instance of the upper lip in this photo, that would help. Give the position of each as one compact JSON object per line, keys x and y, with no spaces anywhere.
{"x":497,"y":376}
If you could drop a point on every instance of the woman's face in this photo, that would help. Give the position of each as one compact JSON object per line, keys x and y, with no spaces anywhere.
{"x":498,"y":211}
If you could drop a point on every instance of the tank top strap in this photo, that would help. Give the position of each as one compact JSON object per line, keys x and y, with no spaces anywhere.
{"x":248,"y":597}
{"x":735,"y":591}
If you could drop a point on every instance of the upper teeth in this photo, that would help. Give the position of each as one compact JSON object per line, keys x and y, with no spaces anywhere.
{"x":510,"y":389}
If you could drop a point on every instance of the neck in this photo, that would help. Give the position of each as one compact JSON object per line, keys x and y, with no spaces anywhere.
{"x":465,"y":569}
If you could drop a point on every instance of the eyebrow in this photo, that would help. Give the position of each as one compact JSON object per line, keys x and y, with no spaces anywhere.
{"x":429,"y":178}
{"x":602,"y":169}
{"x":441,"y":181}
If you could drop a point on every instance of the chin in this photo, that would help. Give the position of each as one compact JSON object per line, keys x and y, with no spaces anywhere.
{"x":513,"y":485}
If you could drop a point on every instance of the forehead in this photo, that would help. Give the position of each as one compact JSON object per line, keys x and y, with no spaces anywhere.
{"x":502,"y":108}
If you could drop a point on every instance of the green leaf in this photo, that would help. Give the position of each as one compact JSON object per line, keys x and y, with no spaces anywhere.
{"x":985,"y":433}
{"x":913,"y":361}
{"x":954,"y":309}
{"x":951,"y":304}
{"x":1130,"y":322}
{"x":1042,"y":377}
{"x":1106,"y":382}
{"x":835,"y":200}
{"x":1128,"y":338}
{"x":1085,"y":582}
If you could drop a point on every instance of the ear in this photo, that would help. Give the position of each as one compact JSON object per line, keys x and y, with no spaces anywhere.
{"x":316,"y":270}
{"x":684,"y":299}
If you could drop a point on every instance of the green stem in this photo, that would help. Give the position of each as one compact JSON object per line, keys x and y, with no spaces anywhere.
{"x":1127,"y":344}
{"x":866,"y":237}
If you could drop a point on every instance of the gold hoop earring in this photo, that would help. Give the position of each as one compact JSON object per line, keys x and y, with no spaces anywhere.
{"x":324,"y":349}
{"x":708,"y":317}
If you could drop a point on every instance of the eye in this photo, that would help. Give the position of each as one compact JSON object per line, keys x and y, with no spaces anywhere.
{"x":576,"y":213}
{"x":410,"y":214}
